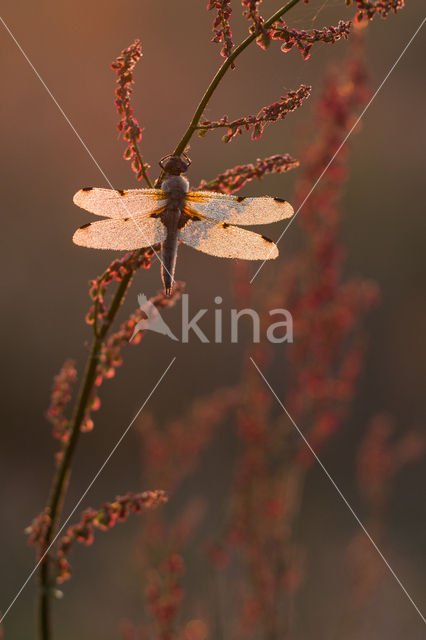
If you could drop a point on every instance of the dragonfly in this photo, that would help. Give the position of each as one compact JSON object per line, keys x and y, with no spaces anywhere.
{"x":204,"y":220}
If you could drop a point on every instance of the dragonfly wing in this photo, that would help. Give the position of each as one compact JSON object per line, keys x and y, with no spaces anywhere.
{"x":124,"y":234}
{"x":239,"y":210}
{"x":119,"y":203}
{"x":225,"y":241}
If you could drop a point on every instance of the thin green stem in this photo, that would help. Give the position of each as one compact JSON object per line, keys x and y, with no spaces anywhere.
{"x":60,"y":481}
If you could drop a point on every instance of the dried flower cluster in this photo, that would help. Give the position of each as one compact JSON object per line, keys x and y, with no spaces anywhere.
{"x":276,"y":111}
{"x":103,"y":519}
{"x":369,"y":8}
{"x":37,"y":532}
{"x":304,"y":40}
{"x":116,"y":272}
{"x":252,"y":13}
{"x":279,"y":30}
{"x":60,"y":397}
{"x":164,"y":594}
{"x":109,"y":357}
{"x":110,"y":354}
{"x":221,"y":27}
{"x":128,"y":125}
{"x":234,"y":179}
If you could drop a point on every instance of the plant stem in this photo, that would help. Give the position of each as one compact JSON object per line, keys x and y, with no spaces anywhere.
{"x":61,"y":478}
{"x":180,"y":148}
{"x":60,"y":481}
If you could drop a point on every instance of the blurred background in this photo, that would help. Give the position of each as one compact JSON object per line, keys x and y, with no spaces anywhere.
{"x":44,"y":284}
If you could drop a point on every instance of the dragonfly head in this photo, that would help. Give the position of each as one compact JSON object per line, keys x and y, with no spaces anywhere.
{"x":175,"y":165}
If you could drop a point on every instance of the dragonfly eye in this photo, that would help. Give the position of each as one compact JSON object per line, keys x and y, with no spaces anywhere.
{"x":175,"y":165}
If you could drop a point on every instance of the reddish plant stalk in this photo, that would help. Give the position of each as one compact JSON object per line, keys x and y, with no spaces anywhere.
{"x":61,"y":478}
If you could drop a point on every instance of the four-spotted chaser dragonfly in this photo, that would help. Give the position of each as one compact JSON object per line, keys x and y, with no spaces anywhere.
{"x":202,"y":219}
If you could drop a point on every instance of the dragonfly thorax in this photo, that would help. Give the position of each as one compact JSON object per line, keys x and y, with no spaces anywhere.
{"x":175,"y":183}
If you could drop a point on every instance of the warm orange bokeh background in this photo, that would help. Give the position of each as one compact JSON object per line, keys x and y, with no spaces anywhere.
{"x":45,"y":276}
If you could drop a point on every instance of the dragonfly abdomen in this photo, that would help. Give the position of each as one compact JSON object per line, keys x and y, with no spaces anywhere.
{"x":169,"y":249}
{"x":176,"y":186}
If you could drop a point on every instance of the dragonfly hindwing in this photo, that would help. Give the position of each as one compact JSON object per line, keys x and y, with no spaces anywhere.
{"x":237,"y":209}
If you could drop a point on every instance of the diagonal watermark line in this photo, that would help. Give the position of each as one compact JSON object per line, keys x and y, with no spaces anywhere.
{"x":92,"y":482}
{"x":338,"y":491}
{"x":130,"y":215}
{"x":351,"y":130}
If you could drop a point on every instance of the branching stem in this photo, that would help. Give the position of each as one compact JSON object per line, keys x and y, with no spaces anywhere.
{"x":180,"y":148}
{"x":61,"y":478}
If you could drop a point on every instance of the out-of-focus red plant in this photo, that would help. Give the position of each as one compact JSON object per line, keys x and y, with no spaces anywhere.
{"x":262,"y":563}
{"x":381,"y":457}
{"x":170,"y":455}
{"x":323,"y":366}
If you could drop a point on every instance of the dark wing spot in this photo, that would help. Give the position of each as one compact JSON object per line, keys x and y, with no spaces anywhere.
{"x":188,"y":214}
{"x":159,"y":213}
{"x":267,"y":239}
{"x":279,"y":199}
{"x":86,"y":225}
{"x":126,"y":219}
{"x":87,"y":188}
{"x":240,"y":198}
{"x":225,"y":225}
{"x":121,"y":192}
{"x":183,"y":220}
